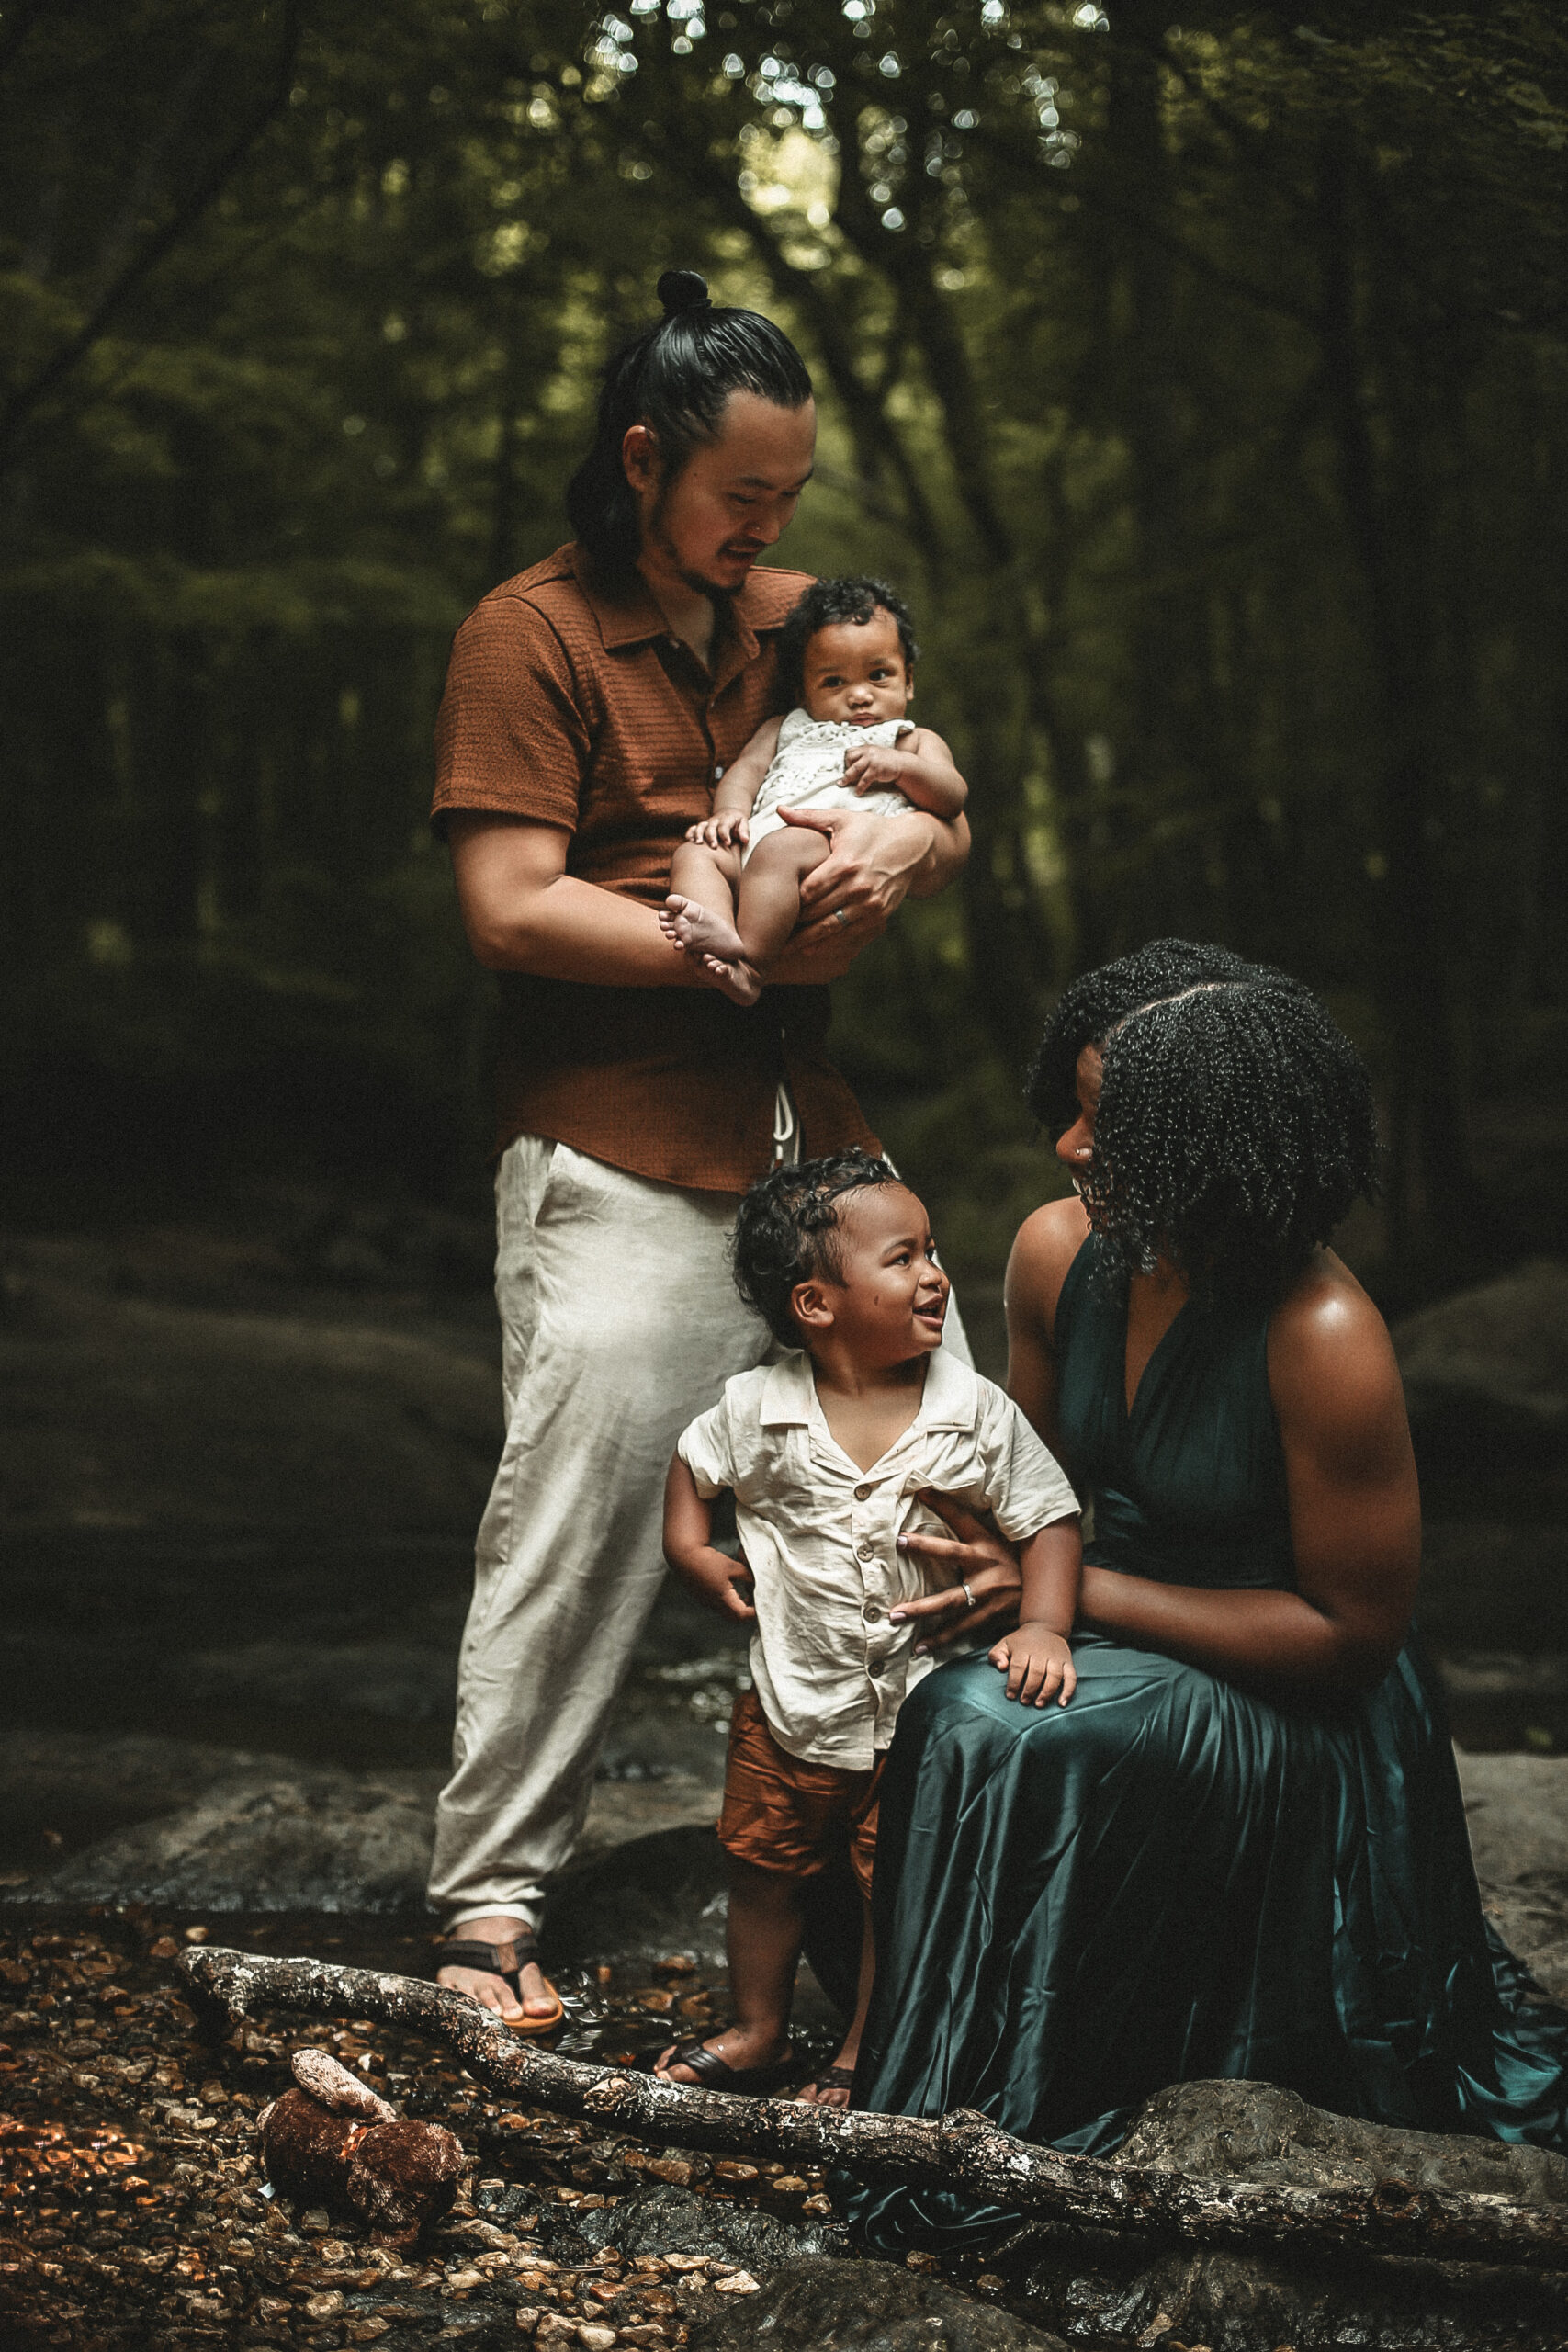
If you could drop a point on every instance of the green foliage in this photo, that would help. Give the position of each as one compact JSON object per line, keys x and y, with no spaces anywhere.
{"x":1204,"y":386}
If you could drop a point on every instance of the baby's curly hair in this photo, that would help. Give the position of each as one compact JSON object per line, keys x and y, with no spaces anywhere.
{"x":825,"y":602}
{"x":1236,"y":1123}
{"x":787,"y":1231}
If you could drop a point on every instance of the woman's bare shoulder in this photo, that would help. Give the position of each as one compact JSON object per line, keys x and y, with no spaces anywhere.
{"x":1330,"y":1356}
{"x":1045,"y":1245}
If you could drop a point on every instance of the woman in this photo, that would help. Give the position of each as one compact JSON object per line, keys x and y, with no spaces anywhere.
{"x":1241,"y":1849}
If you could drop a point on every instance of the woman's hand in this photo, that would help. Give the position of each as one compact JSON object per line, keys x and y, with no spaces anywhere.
{"x":975,"y":1556}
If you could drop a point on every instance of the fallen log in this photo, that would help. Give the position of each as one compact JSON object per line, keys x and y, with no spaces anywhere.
{"x":962,"y":2150}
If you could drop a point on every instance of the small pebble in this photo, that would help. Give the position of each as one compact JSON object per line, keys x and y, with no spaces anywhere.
{"x":595,"y":2337}
{"x":740,"y":2282}
{"x":789,"y":2183}
{"x":989,"y":2284}
{"x":917,"y":2261}
{"x":731,"y":2168}
{"x":197,"y":1935}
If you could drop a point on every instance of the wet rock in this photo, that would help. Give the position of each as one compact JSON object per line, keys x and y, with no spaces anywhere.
{"x":666,"y":2220}
{"x":655,"y":1895}
{"x":1487,"y":1369}
{"x":818,"y":2305}
{"x":1255,"y":2302}
{"x":1228,"y":2303}
{"x":326,"y":1841}
{"x":1517,"y":1808}
{"x":1254,"y":2131}
{"x":405,"y":1681}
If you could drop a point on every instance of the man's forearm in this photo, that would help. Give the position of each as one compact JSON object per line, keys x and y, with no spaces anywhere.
{"x":946,"y":857}
{"x":571,"y":930}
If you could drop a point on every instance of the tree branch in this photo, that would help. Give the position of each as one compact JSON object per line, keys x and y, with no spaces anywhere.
{"x":24,"y":402}
{"x":963,"y":2150}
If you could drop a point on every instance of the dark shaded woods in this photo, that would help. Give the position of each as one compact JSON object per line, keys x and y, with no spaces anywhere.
{"x":1205,"y":386}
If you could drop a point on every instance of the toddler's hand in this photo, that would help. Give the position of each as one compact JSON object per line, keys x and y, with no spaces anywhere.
{"x":720,"y":832}
{"x":724,"y":1584}
{"x":866,"y":764}
{"x":1037,"y":1662}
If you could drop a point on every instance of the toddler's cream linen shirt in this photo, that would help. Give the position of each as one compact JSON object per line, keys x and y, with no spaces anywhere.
{"x":820,"y":1536}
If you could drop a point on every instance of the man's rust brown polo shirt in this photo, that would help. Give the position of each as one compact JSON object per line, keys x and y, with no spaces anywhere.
{"x":576,"y":706}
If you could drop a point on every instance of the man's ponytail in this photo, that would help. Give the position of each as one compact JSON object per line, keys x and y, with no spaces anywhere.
{"x":674,"y":378}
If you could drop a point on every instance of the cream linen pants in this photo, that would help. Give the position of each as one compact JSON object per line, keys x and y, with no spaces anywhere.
{"x":620,"y":1323}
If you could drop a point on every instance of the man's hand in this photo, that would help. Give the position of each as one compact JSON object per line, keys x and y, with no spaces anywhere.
{"x":972,"y":1557}
{"x":868,"y":764}
{"x":1038,"y":1664}
{"x":714,"y":1577}
{"x":727,"y":830}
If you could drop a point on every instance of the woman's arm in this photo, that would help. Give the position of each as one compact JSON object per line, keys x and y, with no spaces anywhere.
{"x":1355,"y":1518}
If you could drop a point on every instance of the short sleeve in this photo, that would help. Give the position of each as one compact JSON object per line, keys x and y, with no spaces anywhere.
{"x":511,"y":735}
{"x":1028,"y":1488}
{"x":706,"y":1448}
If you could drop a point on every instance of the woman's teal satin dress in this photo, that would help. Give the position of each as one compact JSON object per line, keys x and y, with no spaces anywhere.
{"x":1169,"y":1879}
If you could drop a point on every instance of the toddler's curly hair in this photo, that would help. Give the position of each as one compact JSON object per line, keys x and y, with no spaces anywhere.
{"x":787,"y":1231}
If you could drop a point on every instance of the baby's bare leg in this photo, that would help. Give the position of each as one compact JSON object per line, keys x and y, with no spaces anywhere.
{"x":699,"y":914}
{"x":768,"y":905}
{"x":735,"y":955}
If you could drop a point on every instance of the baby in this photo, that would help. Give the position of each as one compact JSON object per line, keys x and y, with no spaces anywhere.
{"x":827,"y":1454}
{"x":847,"y":658}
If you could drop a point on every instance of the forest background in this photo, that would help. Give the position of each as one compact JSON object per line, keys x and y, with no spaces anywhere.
{"x":1204,"y":385}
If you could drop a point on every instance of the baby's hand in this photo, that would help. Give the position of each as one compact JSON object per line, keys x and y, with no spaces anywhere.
{"x":1037,"y":1662}
{"x":723,"y":831}
{"x":866,"y":764}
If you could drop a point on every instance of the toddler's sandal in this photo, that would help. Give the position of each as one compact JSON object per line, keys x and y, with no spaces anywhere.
{"x":506,"y":1961}
{"x":831,"y":2078}
{"x":716,"y":2074}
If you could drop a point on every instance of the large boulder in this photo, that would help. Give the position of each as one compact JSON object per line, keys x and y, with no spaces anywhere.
{"x":823,"y":2305}
{"x":1486,"y":1371}
{"x":1123,"y":2292}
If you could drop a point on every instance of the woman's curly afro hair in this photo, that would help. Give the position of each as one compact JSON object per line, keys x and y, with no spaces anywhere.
{"x":787,"y":1231}
{"x":1236,"y":1123}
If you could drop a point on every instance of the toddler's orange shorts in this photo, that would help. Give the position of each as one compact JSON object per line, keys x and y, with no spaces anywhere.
{"x":781,"y":1814}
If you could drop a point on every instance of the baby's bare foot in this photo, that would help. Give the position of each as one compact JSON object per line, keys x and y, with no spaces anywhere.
{"x":741,"y":982}
{"x":700,"y":932}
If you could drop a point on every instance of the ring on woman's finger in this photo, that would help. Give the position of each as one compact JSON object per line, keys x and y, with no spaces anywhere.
{"x":840,"y":914}
{"x":969,"y":1596}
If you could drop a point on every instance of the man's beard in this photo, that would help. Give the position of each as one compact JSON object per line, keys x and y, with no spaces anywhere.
{"x":697,"y":582}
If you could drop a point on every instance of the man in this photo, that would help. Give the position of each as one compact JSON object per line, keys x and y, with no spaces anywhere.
{"x":590,"y":706}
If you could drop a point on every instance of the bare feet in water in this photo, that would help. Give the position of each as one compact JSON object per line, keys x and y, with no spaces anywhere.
{"x":716,"y":946}
{"x":494,"y":1991}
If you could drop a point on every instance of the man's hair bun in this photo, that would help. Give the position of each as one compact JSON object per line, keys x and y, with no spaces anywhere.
{"x":681,"y":290}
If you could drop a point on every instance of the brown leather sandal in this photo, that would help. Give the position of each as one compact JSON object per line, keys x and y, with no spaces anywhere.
{"x":506,"y":1961}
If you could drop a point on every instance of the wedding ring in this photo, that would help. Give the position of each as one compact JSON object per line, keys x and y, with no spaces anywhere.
{"x":969,"y":1596}
{"x":840,"y":914}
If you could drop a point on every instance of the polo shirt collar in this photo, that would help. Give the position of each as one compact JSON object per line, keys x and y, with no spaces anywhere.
{"x":948,"y":1400}
{"x":628,"y":614}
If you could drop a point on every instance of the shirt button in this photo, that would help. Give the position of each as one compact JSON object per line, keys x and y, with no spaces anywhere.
{"x":865,"y":1552}
{"x":873,"y":1666}
{"x":861,"y":1494}
{"x":871,"y":1613}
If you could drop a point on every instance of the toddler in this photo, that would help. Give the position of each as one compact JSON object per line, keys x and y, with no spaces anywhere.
{"x":847,"y":658}
{"x":828,"y":1454}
